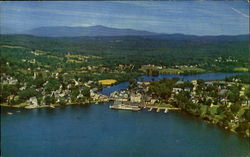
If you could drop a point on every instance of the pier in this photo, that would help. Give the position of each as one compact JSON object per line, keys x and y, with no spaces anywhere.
{"x":138,"y":106}
{"x":158,"y":109}
{"x":125,"y":107}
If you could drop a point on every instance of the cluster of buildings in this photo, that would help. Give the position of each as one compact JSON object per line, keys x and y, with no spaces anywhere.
{"x":136,"y":96}
{"x":140,"y":96}
{"x":229,"y":59}
{"x":6,"y":79}
{"x":63,"y":94}
{"x":98,"y":97}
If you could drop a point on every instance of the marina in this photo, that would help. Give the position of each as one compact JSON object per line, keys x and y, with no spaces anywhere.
{"x":138,"y":107}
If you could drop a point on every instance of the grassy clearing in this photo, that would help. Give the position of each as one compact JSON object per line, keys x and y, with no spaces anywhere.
{"x":38,"y":52}
{"x":170,"y":71}
{"x":107,"y":82}
{"x":12,"y":47}
{"x":4,"y":104}
{"x":79,"y":58}
{"x":55,"y":57}
{"x":181,"y":70}
{"x":16,"y":106}
{"x":192,"y":69}
{"x":241,"y":69}
{"x":20,"y":105}
{"x":164,"y":105}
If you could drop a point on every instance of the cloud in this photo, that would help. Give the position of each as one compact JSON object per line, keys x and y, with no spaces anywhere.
{"x":239,"y":12}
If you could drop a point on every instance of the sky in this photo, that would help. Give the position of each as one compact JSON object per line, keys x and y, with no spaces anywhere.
{"x":186,"y":17}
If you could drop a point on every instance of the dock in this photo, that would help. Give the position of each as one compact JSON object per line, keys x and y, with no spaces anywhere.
{"x":125,"y":107}
{"x":138,"y":107}
{"x":158,"y":109}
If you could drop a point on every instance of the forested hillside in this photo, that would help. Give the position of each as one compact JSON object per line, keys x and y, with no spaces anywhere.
{"x":207,"y":54}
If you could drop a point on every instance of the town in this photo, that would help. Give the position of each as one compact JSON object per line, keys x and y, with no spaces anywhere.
{"x":36,"y":78}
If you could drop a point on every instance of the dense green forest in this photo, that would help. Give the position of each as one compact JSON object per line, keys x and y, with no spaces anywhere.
{"x":210,"y":55}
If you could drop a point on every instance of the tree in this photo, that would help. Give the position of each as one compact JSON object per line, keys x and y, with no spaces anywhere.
{"x":85,"y":91}
{"x":52,"y":85}
{"x":247,"y":93}
{"x":38,"y":82}
{"x":75,"y":93}
{"x":246,"y":115}
{"x":49,"y":100}
{"x":132,"y":83}
{"x":233,"y":96}
{"x":27,"y":93}
{"x":235,"y":107}
{"x":208,"y":102}
{"x":7,"y":91}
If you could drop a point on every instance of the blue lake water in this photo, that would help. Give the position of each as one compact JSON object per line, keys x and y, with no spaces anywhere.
{"x":97,"y":131}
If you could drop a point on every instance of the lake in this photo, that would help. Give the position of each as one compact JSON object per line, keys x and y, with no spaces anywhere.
{"x":96,"y":131}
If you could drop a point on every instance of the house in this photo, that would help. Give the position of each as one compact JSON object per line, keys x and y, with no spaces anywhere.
{"x":22,"y":88}
{"x":45,"y":83}
{"x":194,"y":82}
{"x":187,"y":89}
{"x":69,"y":86}
{"x":221,"y":83}
{"x":90,"y":82}
{"x":33,"y":102}
{"x":114,"y":94}
{"x":76,"y":82}
{"x":208,"y":83}
{"x":152,"y":101}
{"x":93,"y":90}
{"x":222,"y":92}
{"x":79,"y":96}
{"x":245,"y":102}
{"x":10,"y":80}
{"x":179,"y":82}
{"x":135,"y":97}
{"x":194,"y":100}
{"x":177,"y":90}
{"x":147,"y":100}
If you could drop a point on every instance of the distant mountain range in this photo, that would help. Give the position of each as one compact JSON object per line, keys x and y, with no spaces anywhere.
{"x":91,"y":31}
{"x":102,"y":31}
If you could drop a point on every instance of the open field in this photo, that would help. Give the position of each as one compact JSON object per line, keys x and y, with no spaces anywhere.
{"x":107,"y":82}
{"x":241,"y":69}
{"x":13,"y":47}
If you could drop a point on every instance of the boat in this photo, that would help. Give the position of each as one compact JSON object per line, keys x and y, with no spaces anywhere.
{"x":9,"y":113}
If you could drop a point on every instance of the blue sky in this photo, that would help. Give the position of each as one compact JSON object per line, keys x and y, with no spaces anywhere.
{"x":187,"y":17}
